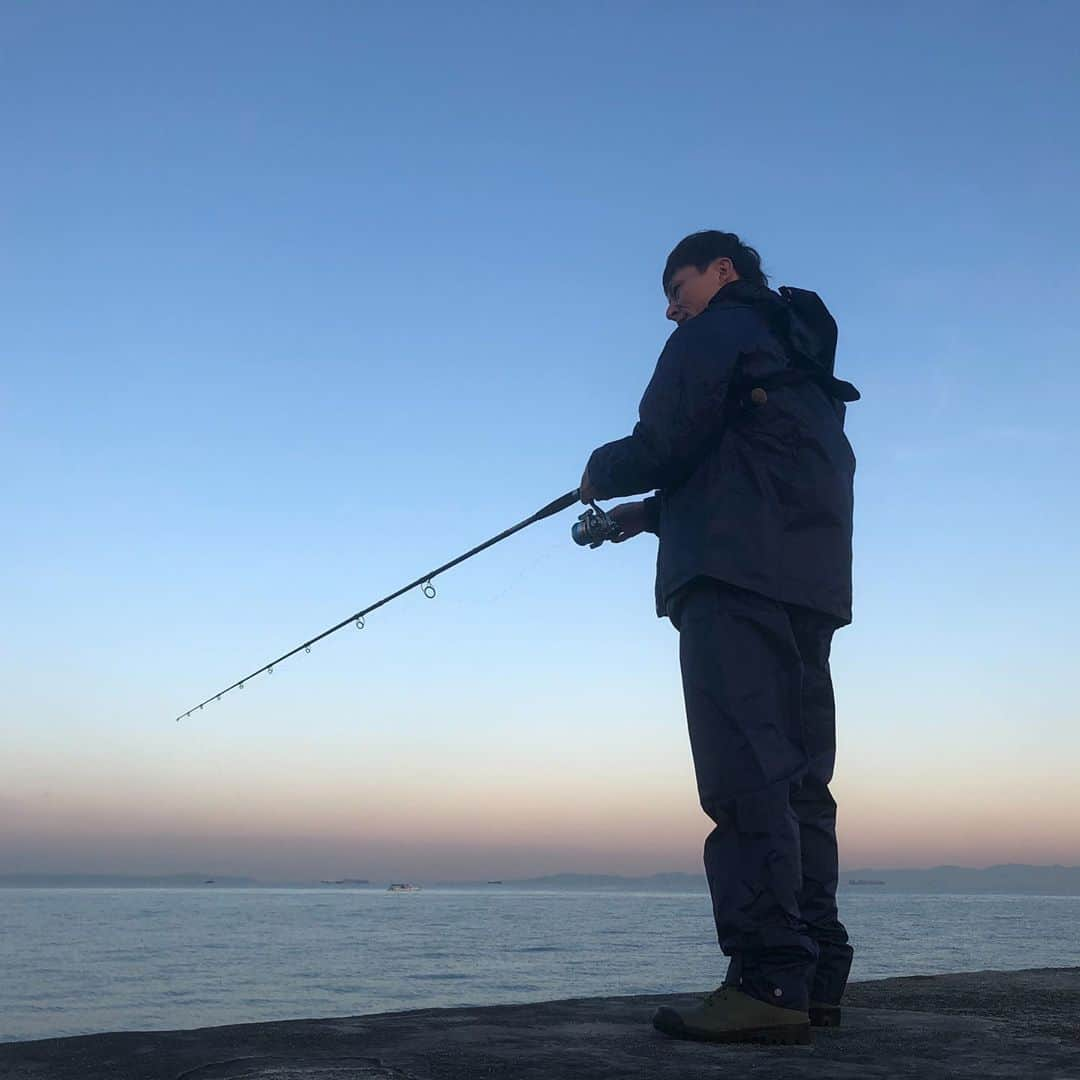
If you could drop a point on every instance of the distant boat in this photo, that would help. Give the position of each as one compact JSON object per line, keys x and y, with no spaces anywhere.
{"x":494,"y":882}
{"x":346,"y":881}
{"x":403,"y":886}
{"x":864,"y":881}
{"x":209,"y":881}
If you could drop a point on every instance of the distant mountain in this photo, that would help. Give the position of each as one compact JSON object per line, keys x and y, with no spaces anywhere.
{"x":669,"y":882}
{"x":1007,"y":878}
{"x":1010,"y":878}
{"x":122,"y":881}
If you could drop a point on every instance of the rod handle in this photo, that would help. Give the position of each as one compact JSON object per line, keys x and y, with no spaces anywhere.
{"x":561,"y":503}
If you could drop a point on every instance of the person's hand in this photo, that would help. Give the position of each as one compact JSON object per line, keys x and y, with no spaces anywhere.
{"x":631,"y":518}
{"x":588,"y":492}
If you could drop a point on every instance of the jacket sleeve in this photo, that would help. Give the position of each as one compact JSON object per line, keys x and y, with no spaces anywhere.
{"x":652,"y":514}
{"x":678,"y":420}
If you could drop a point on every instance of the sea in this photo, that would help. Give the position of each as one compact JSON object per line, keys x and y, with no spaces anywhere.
{"x":78,"y":961}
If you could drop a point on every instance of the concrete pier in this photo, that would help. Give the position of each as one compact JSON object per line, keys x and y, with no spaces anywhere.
{"x":985,"y":1024}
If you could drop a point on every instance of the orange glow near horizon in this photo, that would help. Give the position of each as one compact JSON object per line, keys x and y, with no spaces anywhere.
{"x":575,"y":825}
{"x":333,"y":801}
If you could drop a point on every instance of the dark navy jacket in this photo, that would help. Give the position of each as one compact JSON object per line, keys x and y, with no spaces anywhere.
{"x":754,"y":471}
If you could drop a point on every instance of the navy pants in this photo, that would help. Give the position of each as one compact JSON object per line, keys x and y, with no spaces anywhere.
{"x":759,"y":707}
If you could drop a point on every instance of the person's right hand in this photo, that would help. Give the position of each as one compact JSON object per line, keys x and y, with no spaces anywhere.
{"x":631,"y":518}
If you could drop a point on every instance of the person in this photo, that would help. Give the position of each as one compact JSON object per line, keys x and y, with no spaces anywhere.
{"x":741,"y":437}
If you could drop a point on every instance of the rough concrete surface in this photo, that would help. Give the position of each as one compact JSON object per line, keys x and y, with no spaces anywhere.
{"x":984,"y":1024}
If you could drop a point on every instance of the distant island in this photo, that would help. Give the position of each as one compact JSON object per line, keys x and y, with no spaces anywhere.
{"x":677,"y":882}
{"x":120,"y":881}
{"x":1006,"y":878}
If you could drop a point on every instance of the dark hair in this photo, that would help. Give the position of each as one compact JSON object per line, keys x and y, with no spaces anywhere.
{"x":702,"y":248}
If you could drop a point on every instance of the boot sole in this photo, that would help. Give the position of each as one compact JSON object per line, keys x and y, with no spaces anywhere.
{"x":785,"y":1035}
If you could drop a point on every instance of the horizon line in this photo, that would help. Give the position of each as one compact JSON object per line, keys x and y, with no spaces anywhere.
{"x":212,"y":876}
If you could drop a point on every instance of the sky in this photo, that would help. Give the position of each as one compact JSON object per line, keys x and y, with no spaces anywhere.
{"x":303,"y":300}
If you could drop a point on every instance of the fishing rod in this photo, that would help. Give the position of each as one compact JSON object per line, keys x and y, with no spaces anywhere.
{"x":592,"y":528}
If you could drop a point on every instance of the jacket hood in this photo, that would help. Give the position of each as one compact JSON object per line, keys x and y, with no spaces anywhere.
{"x":801,"y":322}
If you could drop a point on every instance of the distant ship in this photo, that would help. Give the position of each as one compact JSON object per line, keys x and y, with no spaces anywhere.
{"x":209,"y":881}
{"x":494,"y":882}
{"x":864,"y":881}
{"x":403,"y":886}
{"x":346,"y":881}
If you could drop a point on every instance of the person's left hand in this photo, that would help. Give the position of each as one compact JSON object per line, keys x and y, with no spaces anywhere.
{"x":588,"y":492}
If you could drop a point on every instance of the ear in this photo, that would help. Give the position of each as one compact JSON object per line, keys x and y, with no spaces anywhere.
{"x":724,"y":269}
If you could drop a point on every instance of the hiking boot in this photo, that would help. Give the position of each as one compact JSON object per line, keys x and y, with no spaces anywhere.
{"x":824,"y":1015}
{"x":730,"y":1016}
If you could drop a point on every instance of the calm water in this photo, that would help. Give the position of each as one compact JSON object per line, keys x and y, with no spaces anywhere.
{"x":74,"y":961}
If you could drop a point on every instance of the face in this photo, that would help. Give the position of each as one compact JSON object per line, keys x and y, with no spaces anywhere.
{"x":690,"y":289}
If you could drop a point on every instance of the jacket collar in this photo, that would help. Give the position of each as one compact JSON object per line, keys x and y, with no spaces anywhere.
{"x":742,"y":292}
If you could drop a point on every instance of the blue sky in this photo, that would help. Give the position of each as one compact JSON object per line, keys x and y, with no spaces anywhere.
{"x":306,"y":299}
